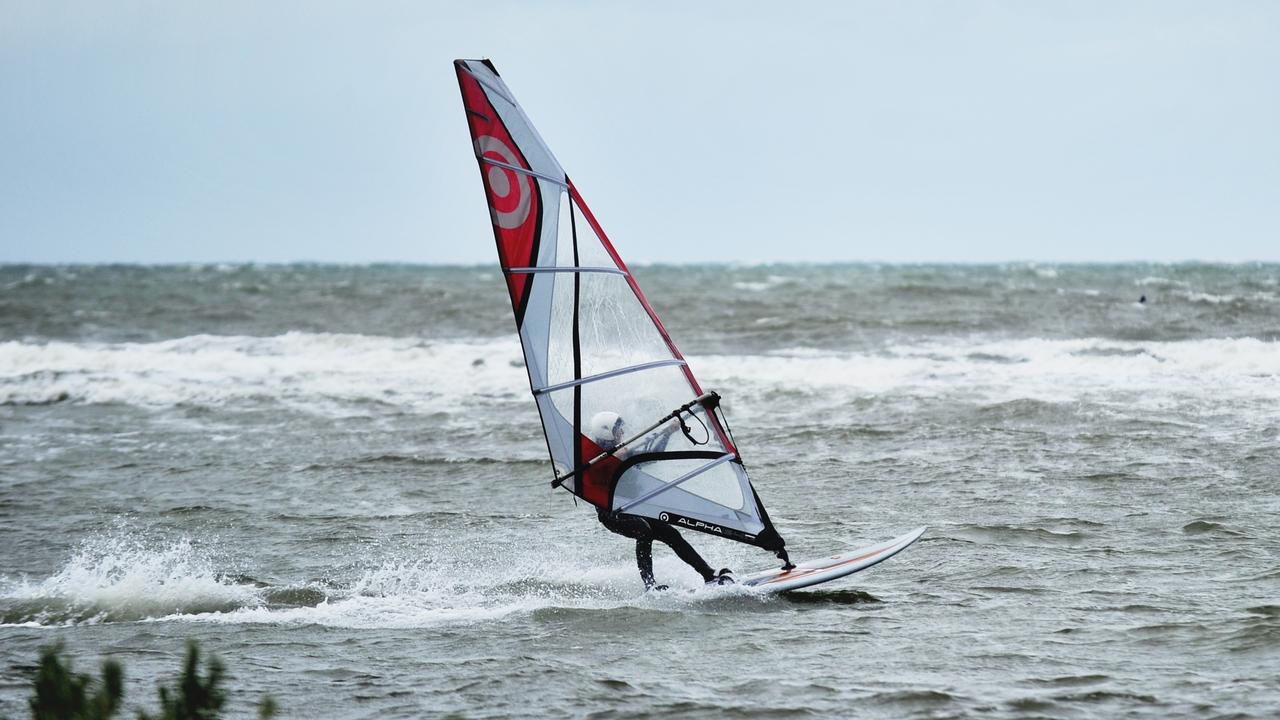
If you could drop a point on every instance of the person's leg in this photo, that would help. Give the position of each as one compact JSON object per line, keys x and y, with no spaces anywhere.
{"x":641,"y":531}
{"x":685,"y":551}
{"x":632,"y":526}
{"x":644,"y":560}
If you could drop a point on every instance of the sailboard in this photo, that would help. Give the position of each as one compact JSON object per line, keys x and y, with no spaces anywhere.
{"x":594,"y":347}
{"x":813,"y":572}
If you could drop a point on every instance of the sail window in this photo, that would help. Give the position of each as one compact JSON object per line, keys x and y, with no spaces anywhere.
{"x":668,"y":486}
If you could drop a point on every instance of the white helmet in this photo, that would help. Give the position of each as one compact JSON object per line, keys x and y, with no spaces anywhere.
{"x":605,"y":429}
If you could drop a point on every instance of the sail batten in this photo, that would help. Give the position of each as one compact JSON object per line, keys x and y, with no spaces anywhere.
{"x":595,"y":348}
{"x":527,"y":270}
{"x":606,"y":375}
{"x":522,"y":171}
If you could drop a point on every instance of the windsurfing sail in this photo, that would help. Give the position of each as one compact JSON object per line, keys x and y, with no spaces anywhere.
{"x":594,"y":347}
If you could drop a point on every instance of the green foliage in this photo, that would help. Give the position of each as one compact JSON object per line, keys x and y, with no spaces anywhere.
{"x":267,"y":707}
{"x":61,"y":694}
{"x":196,"y":698}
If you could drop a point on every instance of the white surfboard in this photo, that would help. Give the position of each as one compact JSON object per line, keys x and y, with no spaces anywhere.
{"x":822,"y":570}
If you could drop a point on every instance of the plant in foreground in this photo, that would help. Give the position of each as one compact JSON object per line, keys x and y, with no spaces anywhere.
{"x":63,"y":694}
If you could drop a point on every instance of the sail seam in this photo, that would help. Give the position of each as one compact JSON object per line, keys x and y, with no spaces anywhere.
{"x":607,"y":375}
{"x":523,"y":171}
{"x":687,"y":476}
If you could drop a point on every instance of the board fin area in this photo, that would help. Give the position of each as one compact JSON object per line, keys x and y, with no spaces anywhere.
{"x":813,"y":572}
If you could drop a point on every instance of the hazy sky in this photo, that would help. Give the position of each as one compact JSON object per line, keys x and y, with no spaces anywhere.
{"x":925,"y":131}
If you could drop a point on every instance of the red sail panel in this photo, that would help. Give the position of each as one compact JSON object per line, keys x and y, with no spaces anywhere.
{"x":514,"y":204}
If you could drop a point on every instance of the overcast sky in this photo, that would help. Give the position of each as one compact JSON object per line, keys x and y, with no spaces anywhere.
{"x":927,"y":131}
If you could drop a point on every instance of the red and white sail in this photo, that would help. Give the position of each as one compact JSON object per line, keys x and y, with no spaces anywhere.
{"x":593,"y":343}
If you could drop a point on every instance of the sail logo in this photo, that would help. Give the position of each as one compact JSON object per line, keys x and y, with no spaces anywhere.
{"x":691,"y":524}
{"x":699,"y":525}
{"x":510,"y":192}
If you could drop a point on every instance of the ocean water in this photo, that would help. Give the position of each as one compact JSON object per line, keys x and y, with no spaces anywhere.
{"x":334,"y":478}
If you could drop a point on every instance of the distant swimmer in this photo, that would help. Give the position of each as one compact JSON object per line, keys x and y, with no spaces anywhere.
{"x":1142,"y":299}
{"x":607,"y":431}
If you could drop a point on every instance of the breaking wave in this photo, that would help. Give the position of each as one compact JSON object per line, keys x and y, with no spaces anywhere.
{"x":341,"y":374}
{"x":307,"y":369}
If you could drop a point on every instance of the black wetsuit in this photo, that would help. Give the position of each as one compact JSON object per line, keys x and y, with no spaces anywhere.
{"x":645,"y":531}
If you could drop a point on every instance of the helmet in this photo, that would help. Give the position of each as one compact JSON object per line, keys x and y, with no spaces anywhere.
{"x":605,"y":429}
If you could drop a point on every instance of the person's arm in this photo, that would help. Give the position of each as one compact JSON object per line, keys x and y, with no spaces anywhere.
{"x":659,"y":441}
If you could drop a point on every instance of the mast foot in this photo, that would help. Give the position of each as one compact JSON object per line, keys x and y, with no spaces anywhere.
{"x":786,"y":561}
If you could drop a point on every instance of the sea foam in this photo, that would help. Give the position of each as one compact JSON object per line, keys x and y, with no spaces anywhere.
{"x":130,"y":575}
{"x":1235,"y":375}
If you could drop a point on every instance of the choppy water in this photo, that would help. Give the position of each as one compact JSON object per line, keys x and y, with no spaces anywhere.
{"x":334,"y":478}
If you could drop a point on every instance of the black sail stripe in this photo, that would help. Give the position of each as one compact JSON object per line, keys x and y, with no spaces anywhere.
{"x":577,"y":362}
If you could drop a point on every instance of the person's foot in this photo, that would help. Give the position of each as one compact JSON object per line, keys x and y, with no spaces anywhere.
{"x":724,"y":577}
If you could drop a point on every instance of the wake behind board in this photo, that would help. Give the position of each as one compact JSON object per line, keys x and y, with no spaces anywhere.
{"x":822,"y":570}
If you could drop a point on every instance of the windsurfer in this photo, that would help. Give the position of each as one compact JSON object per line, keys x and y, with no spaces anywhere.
{"x":607,"y":431}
